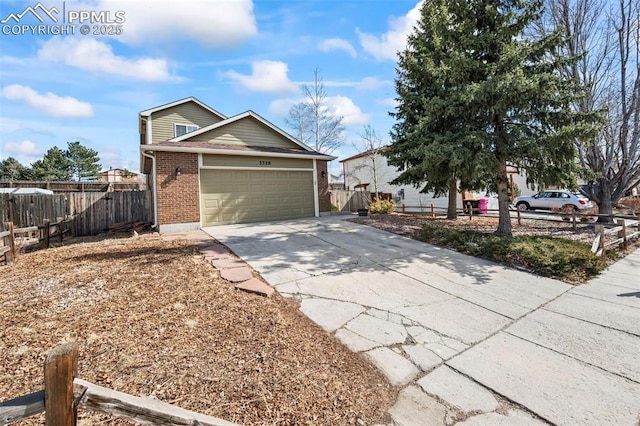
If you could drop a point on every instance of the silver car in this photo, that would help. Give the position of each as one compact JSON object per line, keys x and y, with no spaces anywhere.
{"x":553,"y":199}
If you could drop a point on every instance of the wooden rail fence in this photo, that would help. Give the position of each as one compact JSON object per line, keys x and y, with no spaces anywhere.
{"x":64,"y":394}
{"x":32,"y":235}
{"x":624,"y":232}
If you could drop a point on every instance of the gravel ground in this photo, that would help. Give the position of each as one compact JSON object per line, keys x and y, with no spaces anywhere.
{"x":153,"y":318}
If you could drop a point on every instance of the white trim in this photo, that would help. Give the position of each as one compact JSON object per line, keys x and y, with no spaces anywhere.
{"x":149,"y":126}
{"x":200,"y":190}
{"x":268,"y":169}
{"x":154,"y":182}
{"x":240,"y":117}
{"x":175,"y":131}
{"x":316,"y":198}
{"x":148,"y":112}
{"x":166,"y":148}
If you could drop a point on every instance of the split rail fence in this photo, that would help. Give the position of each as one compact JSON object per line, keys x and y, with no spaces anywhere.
{"x":64,"y":394}
{"x":32,"y":235}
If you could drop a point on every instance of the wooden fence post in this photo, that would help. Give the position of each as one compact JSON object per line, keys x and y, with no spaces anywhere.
{"x":12,"y":244}
{"x":519,"y":217}
{"x":573,"y":219}
{"x":47,"y":233}
{"x":622,"y":233}
{"x":403,"y":208}
{"x":60,"y":367}
{"x":470,"y":207}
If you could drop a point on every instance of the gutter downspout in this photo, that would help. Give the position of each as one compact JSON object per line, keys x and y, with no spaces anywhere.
{"x":155,"y":191}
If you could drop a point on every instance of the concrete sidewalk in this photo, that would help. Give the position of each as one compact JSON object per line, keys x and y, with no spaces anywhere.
{"x":470,"y":342}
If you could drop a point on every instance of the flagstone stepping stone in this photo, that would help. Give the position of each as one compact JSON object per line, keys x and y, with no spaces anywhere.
{"x":227,"y":263}
{"x":236,"y":275}
{"x":254,"y":285}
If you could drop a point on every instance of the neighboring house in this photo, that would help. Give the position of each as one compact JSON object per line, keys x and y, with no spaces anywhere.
{"x":369,"y":171}
{"x":335,"y":182}
{"x":364,"y":170}
{"x":117,"y":175}
{"x":207,"y":169}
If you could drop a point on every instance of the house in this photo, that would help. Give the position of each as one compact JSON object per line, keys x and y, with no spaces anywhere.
{"x":208,"y":169}
{"x":117,"y":175}
{"x":369,"y":171}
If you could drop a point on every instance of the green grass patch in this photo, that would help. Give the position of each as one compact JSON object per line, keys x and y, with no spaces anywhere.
{"x":550,"y":257}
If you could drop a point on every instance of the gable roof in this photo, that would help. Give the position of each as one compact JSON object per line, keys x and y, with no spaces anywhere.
{"x":240,"y":117}
{"x":148,"y":112}
{"x":366,"y":153}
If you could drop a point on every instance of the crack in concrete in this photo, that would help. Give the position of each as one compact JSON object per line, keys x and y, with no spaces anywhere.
{"x":572,"y":357}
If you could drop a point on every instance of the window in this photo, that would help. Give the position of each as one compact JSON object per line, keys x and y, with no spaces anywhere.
{"x":183,"y":129}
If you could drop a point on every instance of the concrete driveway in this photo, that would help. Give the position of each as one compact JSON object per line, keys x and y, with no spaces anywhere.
{"x":468,"y":341}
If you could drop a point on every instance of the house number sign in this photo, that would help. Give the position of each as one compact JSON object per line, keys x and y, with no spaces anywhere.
{"x":264,"y":163}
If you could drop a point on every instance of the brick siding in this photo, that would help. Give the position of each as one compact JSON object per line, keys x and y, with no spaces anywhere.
{"x":324,"y":197}
{"x":178,"y":196}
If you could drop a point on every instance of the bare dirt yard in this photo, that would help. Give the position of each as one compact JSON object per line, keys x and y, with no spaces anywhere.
{"x":153,"y":318}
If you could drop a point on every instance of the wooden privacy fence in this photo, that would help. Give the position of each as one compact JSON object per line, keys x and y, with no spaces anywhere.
{"x":350,"y":201}
{"x":63,"y":394}
{"x":90,"y":212}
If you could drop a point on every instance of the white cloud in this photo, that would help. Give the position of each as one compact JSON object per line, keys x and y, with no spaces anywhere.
{"x":216,"y":24}
{"x":337,"y":44}
{"x":394,"y":40}
{"x":281,"y":107}
{"x":337,"y":105}
{"x":390,"y":102}
{"x":57,"y":106}
{"x":97,"y":57}
{"x":24,"y":148}
{"x":369,"y":83}
{"x":344,"y":106}
{"x":266,"y":76}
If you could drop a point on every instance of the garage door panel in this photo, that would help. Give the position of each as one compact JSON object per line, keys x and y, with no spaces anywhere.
{"x":236,"y":196}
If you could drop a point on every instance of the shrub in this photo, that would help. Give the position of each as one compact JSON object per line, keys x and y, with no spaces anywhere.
{"x":632,"y":203}
{"x":546,"y":256}
{"x":382,"y":206}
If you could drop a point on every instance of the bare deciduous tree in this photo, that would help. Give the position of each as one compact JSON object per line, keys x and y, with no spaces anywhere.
{"x":607,"y":40}
{"x":370,"y":145}
{"x":313,"y":122}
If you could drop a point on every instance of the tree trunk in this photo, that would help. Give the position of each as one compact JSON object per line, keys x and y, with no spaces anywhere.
{"x":452,"y":209}
{"x":504,"y":218}
{"x":605,"y":206}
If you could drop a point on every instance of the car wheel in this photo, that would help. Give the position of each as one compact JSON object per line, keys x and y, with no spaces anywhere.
{"x":522,"y":206}
{"x":569,"y":207}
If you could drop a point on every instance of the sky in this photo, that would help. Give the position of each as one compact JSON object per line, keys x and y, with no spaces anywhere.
{"x":58,"y":85}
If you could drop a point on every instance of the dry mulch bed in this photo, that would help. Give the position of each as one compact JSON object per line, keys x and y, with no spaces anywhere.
{"x":411,"y":224}
{"x":153,"y":318}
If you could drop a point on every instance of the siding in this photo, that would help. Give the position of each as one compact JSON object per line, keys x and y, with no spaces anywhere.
{"x":246,"y":131}
{"x":163,"y":122}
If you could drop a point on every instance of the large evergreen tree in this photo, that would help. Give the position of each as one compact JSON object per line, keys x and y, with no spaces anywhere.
{"x":12,"y":169}
{"x":475,"y":95}
{"x":84,"y":161}
{"x":53,"y":166}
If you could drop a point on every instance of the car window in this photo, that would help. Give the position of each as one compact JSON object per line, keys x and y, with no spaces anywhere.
{"x":546,"y":194}
{"x":554,"y":195}
{"x":564,"y":195}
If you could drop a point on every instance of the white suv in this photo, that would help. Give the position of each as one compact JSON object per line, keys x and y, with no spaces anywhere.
{"x":553,"y":199}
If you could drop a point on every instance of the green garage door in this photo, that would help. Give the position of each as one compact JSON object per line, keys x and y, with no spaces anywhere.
{"x":239,"y":196}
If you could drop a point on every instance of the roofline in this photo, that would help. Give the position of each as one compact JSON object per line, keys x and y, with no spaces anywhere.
{"x":365,"y":153}
{"x":148,"y":112}
{"x":235,"y":118}
{"x":164,"y":148}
